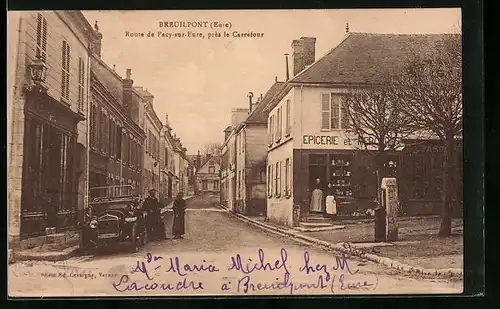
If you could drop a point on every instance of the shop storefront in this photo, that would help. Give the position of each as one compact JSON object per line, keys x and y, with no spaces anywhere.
{"x":51,"y":166}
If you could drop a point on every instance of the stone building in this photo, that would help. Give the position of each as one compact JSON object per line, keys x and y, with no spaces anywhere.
{"x":307,"y":122}
{"x":116,"y":136}
{"x":47,"y":130}
{"x":207,"y":176}
{"x":152,"y":153}
{"x":228,"y":176}
{"x":251,"y":155}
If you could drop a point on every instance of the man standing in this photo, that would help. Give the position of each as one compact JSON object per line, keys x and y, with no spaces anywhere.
{"x":179,"y":212}
{"x":156,"y":227}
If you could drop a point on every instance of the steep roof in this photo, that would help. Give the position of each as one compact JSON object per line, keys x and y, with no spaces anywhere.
{"x":364,"y":58}
{"x":369,"y":57}
{"x":259,"y":115}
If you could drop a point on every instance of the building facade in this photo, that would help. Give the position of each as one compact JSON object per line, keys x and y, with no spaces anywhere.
{"x":48,"y":93}
{"x":167,"y":191}
{"x":116,"y":136}
{"x":251,"y":156}
{"x":228,"y":170}
{"x":208,"y":176}
{"x":152,"y":164}
{"x":307,"y":122}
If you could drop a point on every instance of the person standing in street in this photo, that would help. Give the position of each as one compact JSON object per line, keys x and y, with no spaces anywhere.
{"x":330,"y":203}
{"x":179,"y":212}
{"x":155,"y":225}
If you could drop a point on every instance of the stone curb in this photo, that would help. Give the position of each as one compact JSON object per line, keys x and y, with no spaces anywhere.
{"x":29,"y":255}
{"x":445,"y":273}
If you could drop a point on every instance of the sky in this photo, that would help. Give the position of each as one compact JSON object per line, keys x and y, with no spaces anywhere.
{"x":198,"y":81}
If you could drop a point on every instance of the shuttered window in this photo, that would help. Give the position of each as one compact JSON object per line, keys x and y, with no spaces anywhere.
{"x":41,"y":37}
{"x":277,"y":190}
{"x":287,"y":177}
{"x":288,"y":124}
{"x":271,"y":130}
{"x":65,"y":70}
{"x":278,"y":124}
{"x":335,"y":112}
{"x":269,"y":180}
{"x":325,"y":111}
{"x":81,"y":89}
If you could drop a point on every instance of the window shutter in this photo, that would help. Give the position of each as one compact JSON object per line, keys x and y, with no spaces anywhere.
{"x":335,"y":112}
{"x":288,"y":116}
{"x":344,"y":117}
{"x":325,"y":111}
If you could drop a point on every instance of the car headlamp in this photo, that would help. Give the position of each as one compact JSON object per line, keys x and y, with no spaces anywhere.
{"x":93,"y":224}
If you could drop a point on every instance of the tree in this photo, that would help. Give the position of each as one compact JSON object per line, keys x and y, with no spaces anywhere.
{"x":429,"y":90}
{"x":212,"y":149}
{"x":378,"y":123}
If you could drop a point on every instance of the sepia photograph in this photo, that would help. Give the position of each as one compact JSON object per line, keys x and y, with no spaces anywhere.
{"x":235,"y":153}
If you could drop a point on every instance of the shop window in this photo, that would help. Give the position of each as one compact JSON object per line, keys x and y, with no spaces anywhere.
{"x":341,"y":175}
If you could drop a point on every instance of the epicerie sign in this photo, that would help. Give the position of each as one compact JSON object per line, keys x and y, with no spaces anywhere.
{"x":328,"y":141}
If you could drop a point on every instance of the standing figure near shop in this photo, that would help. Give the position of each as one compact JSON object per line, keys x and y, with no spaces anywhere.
{"x":179,"y":212}
{"x":155,"y":225}
{"x":316,"y":205}
{"x":330,"y":203}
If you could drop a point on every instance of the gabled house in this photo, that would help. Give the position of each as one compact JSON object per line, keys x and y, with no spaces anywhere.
{"x":307,"y":137}
{"x":251,"y":154}
{"x":208,"y":177}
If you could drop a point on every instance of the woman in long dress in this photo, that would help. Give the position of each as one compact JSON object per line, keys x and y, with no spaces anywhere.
{"x":316,"y":197}
{"x":179,"y":212}
{"x":330,"y":204}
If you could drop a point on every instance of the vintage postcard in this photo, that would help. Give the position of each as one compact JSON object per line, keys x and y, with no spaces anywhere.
{"x":235,"y":153}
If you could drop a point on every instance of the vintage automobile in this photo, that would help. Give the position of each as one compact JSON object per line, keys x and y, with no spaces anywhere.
{"x":114,"y":217}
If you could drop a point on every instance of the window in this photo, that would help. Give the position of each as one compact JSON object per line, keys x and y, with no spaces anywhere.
{"x":93,"y":126}
{"x":287,"y":177}
{"x":278,"y":125}
{"x":270,"y":180}
{"x":119,"y":142}
{"x":288,"y":126}
{"x":278,"y":179}
{"x":216,"y":185}
{"x":204,"y":185}
{"x":41,"y":37}
{"x":65,"y":70}
{"x":333,"y":112}
{"x":271,"y":130}
{"x":211,"y":169}
{"x":81,"y":78}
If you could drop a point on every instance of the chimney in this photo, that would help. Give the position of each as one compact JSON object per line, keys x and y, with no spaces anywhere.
{"x":347,"y":27}
{"x":128,"y":82}
{"x":303,"y":53}
{"x":227,"y":132}
{"x":286,"y":69}
{"x":198,"y":160}
{"x":95,"y":44}
{"x":261,"y":97}
{"x":166,"y":120}
{"x":250,"y":103}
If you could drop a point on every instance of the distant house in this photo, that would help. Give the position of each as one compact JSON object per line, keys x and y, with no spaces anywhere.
{"x":207,"y":177}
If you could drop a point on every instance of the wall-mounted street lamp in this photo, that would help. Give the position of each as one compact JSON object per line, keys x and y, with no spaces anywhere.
{"x":38,"y":74}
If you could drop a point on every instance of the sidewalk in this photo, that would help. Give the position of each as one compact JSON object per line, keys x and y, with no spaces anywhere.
{"x":417,"y":251}
{"x":57,"y":252}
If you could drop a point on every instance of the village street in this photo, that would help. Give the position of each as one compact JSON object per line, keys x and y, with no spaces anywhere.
{"x":213,"y":238}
